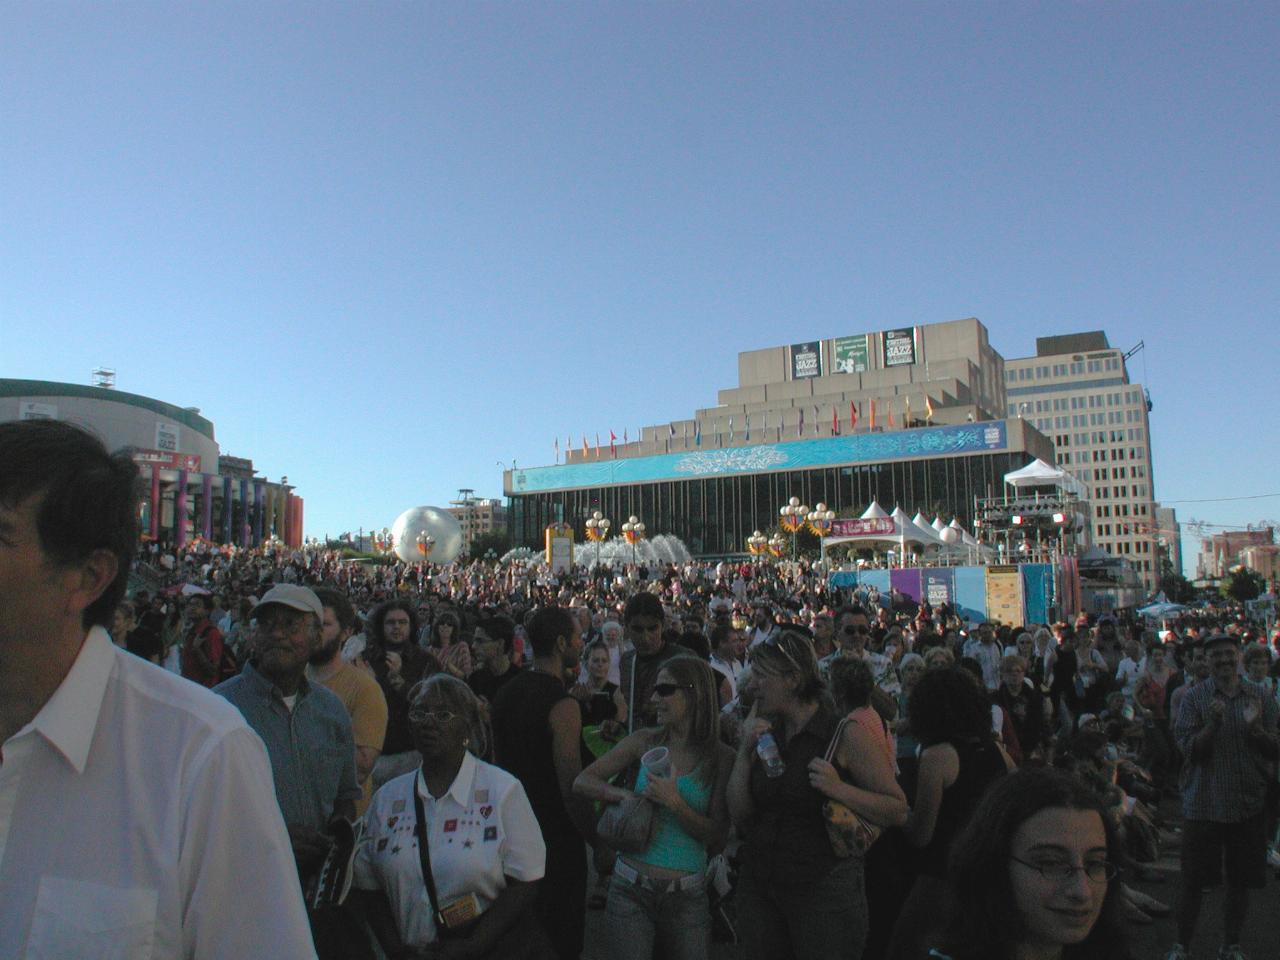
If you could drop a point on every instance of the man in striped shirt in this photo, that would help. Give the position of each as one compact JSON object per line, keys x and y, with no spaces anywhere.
{"x":1226,"y":728}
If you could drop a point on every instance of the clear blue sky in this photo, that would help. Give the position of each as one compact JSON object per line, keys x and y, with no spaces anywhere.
{"x":384,"y":246}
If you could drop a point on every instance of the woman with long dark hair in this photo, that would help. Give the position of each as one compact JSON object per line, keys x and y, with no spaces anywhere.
{"x":658,"y":894}
{"x":1033,"y":875}
{"x":951,"y":719}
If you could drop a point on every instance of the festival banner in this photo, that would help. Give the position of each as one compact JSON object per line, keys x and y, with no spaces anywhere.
{"x":806,"y":360}
{"x":881,"y":526}
{"x":939,"y":585}
{"x":899,"y":347}
{"x":35,"y":410}
{"x":851,"y":354}
{"x":1004,"y":595}
{"x":1037,"y":589}
{"x":559,"y":537}
{"x":971,"y":593}
{"x":906,"y":582}
{"x":167,"y":460}
{"x":167,"y":436}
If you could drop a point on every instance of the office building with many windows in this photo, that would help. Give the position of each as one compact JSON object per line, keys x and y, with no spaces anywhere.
{"x":1076,"y":390}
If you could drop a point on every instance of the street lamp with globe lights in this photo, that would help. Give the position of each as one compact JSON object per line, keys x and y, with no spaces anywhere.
{"x":425,"y":544}
{"x":820,"y":520}
{"x":757,"y":543}
{"x":633,"y":532}
{"x":792,"y":519}
{"x":598,"y":530}
{"x":777,"y":545}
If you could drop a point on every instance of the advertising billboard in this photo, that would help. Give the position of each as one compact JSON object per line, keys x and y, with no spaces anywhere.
{"x":850,"y":354}
{"x":806,"y":360}
{"x":899,"y":347}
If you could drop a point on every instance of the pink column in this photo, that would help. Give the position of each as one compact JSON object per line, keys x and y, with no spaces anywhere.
{"x":180,"y":510}
{"x":155,"y":501}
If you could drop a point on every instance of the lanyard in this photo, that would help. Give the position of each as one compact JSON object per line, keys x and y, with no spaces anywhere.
{"x":424,"y":856}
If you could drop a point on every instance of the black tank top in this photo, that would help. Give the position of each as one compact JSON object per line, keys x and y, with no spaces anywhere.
{"x":981,"y":764}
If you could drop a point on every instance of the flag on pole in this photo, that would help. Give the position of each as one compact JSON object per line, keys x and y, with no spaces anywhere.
{"x":731,"y":429}
{"x":853,"y":416}
{"x":816,"y":415}
{"x":625,"y":438}
{"x":906,"y":417}
{"x":697,"y":433}
{"x":800,"y":427}
{"x":892,"y":425}
{"x":747,"y":430}
{"x":928,"y":408}
{"x":597,"y":445}
{"x":613,"y":444}
{"x":557,"y":449}
{"x":872,"y":424}
{"x":835,"y":422}
{"x":585,"y":449}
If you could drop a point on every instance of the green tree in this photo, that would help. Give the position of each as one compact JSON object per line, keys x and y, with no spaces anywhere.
{"x":1242,"y":584}
{"x":498,"y":541}
{"x":1177,"y":588}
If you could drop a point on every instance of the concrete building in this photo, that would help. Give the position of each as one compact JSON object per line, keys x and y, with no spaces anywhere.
{"x":1077,"y":391}
{"x":1169,"y":537}
{"x":1254,"y":549}
{"x":912,"y":417}
{"x":478,"y":516}
{"x":194,"y":489}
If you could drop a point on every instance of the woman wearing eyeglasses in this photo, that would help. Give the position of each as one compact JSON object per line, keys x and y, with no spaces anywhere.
{"x":796,"y":898}
{"x":1033,"y":875}
{"x":452,"y":853}
{"x":658,"y":895}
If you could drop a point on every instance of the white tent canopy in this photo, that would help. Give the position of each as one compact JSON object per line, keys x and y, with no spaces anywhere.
{"x":874,"y":512}
{"x":1041,"y":474}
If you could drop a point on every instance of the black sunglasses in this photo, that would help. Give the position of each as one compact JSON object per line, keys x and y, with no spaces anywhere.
{"x":665,"y":690}
{"x":854,"y":628}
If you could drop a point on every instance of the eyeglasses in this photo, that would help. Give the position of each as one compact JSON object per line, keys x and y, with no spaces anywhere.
{"x":436,"y":718}
{"x":665,"y":690}
{"x":1096,"y":871}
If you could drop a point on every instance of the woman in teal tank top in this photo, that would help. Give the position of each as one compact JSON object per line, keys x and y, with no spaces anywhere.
{"x":658,"y":895}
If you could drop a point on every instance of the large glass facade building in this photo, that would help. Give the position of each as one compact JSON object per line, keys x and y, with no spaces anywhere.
{"x":714,"y":499}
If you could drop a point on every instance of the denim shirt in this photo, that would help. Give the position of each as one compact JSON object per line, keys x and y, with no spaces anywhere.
{"x":312,"y":750}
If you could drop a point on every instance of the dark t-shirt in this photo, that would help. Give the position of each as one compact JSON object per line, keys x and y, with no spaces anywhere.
{"x":485,"y":683}
{"x":522,"y":745}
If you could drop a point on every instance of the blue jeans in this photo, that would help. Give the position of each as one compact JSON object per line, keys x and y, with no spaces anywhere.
{"x":823,"y":920}
{"x":679,"y":922}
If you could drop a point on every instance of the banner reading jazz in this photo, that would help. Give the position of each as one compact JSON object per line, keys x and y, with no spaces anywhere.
{"x":1004,"y":595}
{"x":850,"y":354}
{"x":939,"y":586}
{"x":806,"y":360}
{"x":899,"y":347}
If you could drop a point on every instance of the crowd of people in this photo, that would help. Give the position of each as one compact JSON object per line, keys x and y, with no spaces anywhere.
{"x":734,"y":751}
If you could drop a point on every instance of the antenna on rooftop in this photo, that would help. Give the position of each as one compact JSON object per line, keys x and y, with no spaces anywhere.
{"x":105,"y":378}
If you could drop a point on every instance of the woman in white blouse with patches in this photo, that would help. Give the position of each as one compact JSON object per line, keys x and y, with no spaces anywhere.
{"x":485,"y":853}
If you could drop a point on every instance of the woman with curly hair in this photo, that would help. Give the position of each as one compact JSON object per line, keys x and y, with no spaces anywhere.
{"x":1033,"y":875}
{"x":951,"y":719}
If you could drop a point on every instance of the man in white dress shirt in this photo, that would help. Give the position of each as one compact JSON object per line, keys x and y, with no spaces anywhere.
{"x":137,"y":813}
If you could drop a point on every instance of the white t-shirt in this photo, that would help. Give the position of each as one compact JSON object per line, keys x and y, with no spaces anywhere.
{"x":1127,"y":675}
{"x":479,"y":833}
{"x":138,"y":818}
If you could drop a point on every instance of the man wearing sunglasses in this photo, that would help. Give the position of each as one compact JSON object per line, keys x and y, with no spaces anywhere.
{"x":853,"y":630}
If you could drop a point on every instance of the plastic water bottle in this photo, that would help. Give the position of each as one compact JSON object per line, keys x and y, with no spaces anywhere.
{"x":770,"y":756}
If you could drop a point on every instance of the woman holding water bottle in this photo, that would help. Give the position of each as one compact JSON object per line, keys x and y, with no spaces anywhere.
{"x":658,"y":895}
{"x":797,"y":899}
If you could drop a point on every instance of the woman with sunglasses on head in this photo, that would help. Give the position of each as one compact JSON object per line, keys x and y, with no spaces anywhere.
{"x":658,"y":894}
{"x":453,"y":653}
{"x":796,"y":898}
{"x":1032,"y":876}
{"x":452,"y":853}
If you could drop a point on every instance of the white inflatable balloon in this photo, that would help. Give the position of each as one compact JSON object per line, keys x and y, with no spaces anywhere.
{"x":441,"y":526}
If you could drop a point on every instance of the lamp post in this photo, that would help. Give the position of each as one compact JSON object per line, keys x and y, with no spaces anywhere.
{"x":777,"y":545}
{"x":757,"y":543}
{"x":633,"y":532}
{"x":792,"y":519}
{"x":820,"y":519}
{"x":425,"y":544}
{"x":597,"y":530}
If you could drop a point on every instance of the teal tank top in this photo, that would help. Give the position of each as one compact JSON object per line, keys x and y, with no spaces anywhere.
{"x":669,"y":845}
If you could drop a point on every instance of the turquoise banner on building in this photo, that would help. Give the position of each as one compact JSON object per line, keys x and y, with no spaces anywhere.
{"x":917,"y":444}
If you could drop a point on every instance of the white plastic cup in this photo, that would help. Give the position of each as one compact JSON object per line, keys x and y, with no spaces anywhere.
{"x":657,"y":762}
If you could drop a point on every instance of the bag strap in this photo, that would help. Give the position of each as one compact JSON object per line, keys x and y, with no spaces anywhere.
{"x":424,"y":855}
{"x":835,"y":739}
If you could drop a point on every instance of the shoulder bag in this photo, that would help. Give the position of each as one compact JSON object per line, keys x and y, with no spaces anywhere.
{"x":850,"y":833}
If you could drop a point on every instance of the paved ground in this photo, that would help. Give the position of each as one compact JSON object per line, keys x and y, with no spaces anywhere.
{"x":1149,"y":942}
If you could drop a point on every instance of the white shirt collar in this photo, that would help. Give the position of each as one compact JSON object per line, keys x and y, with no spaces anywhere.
{"x":460,"y":789}
{"x":70,"y":717}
